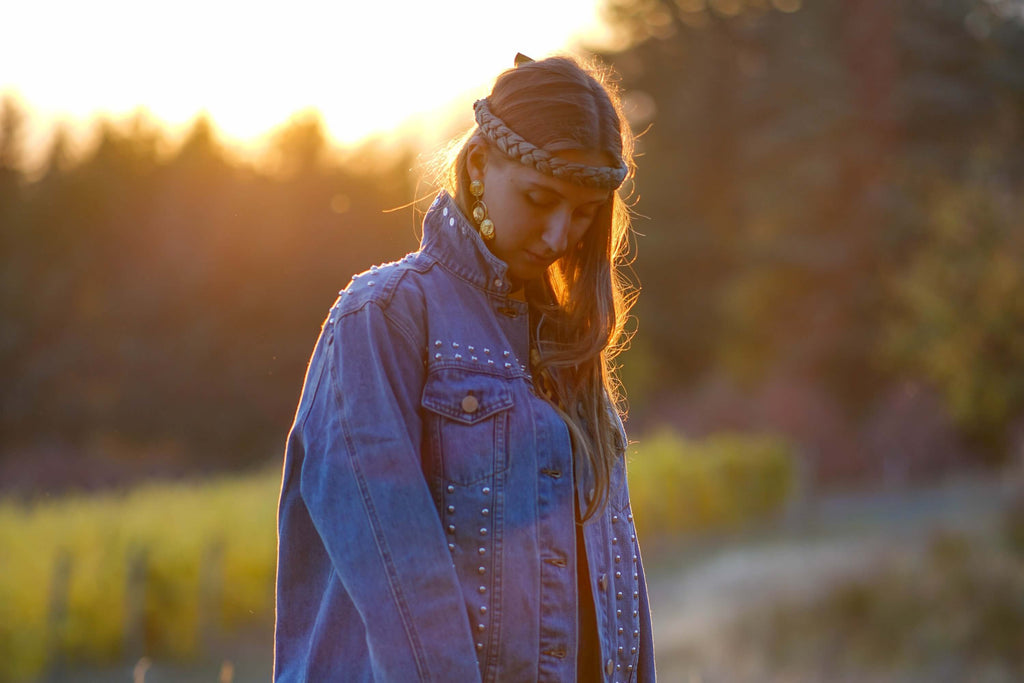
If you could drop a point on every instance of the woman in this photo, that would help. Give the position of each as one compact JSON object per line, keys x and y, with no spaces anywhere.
{"x":454,"y":503}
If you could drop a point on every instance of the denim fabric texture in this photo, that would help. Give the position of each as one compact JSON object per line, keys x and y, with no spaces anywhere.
{"x":426,"y":521}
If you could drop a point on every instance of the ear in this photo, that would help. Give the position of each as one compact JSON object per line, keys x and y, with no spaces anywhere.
{"x":477,"y":153}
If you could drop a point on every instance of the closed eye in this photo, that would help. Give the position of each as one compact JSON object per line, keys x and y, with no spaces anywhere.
{"x":541,"y":199}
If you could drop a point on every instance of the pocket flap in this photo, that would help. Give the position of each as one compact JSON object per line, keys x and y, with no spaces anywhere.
{"x":466,"y":397}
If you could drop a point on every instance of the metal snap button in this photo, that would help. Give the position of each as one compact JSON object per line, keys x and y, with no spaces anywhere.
{"x":470,"y":404}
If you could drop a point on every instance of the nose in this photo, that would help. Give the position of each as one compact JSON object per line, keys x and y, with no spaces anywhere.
{"x":556,"y":233}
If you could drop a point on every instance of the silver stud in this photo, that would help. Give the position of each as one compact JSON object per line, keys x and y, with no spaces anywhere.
{"x":458,"y":356}
{"x":485,"y":512}
{"x":621,"y":650}
{"x":330,"y":320}
{"x":618,"y":575}
{"x":506,"y":353}
{"x":614,"y":540}
{"x":479,"y":646}
{"x":618,"y":596}
{"x":635,"y":613}
{"x":487,"y":490}
{"x":636,"y":633}
{"x":481,"y":550}
{"x":497,"y":283}
{"x":451,"y":509}
{"x":486,"y":350}
{"x":437,"y":356}
{"x":615,"y":518}
{"x":451,"y":546}
{"x":620,"y":630}
{"x":632,"y":650}
{"x":483,"y":609}
{"x":451,"y":489}
{"x":437,"y":342}
{"x":455,"y":345}
{"x":473,"y":358}
{"x":635,"y":576}
{"x":451,"y":528}
{"x":629,"y":668}
{"x":470,"y":349}
{"x":370,"y":283}
{"x":490,"y":362}
{"x":483,"y":531}
{"x":630,"y":516}
{"x":618,"y":613}
{"x":482,"y":590}
{"x":618,"y":558}
{"x":481,"y":570}
{"x":445,"y":212}
{"x":481,"y":628}
{"x":451,"y":221}
{"x":636,"y":594}
{"x":632,"y":537}
{"x":508,"y":365}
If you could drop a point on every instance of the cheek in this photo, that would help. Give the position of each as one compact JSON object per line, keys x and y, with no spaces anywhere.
{"x":520,"y":223}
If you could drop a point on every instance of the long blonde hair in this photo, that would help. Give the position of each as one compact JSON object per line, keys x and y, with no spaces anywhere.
{"x":559,"y":104}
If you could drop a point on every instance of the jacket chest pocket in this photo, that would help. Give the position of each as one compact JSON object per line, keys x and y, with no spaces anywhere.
{"x":467,"y":421}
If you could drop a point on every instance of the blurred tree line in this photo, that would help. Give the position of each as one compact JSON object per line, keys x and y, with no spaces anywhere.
{"x":161,"y":307}
{"x":835,"y":197}
{"x":830,"y":195}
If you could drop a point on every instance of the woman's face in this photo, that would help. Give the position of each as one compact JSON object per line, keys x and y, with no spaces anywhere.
{"x":536,"y":218}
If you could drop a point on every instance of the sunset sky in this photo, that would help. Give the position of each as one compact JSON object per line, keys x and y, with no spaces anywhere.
{"x":368,"y":67}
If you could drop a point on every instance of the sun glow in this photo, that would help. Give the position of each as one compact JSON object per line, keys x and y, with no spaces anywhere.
{"x":368,"y":67}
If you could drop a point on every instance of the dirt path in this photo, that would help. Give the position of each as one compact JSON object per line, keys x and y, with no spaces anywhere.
{"x":697,"y":594}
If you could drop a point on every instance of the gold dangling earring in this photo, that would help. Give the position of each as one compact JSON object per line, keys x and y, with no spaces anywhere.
{"x":476,"y":188}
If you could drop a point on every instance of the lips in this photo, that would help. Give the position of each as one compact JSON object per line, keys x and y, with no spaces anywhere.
{"x":539,"y":260}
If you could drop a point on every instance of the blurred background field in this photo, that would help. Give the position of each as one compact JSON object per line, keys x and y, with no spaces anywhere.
{"x":175,"y":571}
{"x":826,"y":380}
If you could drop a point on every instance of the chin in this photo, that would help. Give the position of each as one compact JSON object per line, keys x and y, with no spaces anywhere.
{"x":528,"y":273}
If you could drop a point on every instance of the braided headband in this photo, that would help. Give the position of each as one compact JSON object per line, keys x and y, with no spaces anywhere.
{"x":515,"y":147}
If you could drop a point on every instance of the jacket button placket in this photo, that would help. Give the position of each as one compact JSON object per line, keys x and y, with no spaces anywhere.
{"x":557,"y":540}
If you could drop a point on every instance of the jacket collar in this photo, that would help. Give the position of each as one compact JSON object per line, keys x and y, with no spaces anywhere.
{"x":450,"y":239}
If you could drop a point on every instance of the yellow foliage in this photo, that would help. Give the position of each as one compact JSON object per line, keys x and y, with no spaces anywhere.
{"x":204,"y":553}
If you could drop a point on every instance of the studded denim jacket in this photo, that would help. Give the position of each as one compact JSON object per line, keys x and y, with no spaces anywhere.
{"x":426,"y":519}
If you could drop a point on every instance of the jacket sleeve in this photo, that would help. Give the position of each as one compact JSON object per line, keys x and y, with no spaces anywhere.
{"x":363,"y":485}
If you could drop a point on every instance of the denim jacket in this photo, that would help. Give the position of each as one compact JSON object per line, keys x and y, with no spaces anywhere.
{"x":426,"y":520}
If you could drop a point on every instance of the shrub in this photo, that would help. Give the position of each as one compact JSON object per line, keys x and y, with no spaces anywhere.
{"x":682,"y":486}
